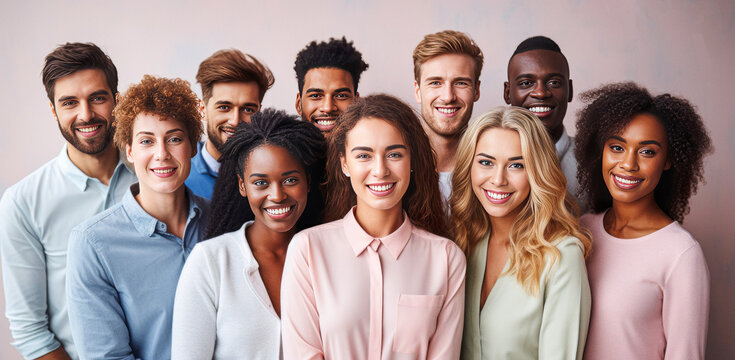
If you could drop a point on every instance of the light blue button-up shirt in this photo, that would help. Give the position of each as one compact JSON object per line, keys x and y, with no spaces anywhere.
{"x":203,"y":174}
{"x":123,"y":267}
{"x":36,"y":217}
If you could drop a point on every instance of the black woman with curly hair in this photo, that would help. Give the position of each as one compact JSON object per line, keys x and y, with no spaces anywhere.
{"x":640,"y":160}
{"x":228,"y":300}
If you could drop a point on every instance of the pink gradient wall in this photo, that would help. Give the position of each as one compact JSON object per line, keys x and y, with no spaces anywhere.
{"x":682,"y":47}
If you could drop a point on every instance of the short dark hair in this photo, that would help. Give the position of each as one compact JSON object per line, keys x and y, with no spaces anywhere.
{"x":72,"y":57}
{"x":609,"y":110}
{"x":232,"y":65}
{"x":539,"y":43}
{"x":273,"y":127}
{"x":337,"y":53}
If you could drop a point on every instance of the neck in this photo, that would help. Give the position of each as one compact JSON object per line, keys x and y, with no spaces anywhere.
{"x":556,"y":134}
{"x":99,"y":166}
{"x":500,"y":229}
{"x":639,"y":214}
{"x":445,"y":149}
{"x":379,"y":223}
{"x":171,"y":209}
{"x":209,"y":147}
{"x":260,"y":236}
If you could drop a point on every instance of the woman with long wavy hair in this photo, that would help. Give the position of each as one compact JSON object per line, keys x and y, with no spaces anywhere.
{"x":527,"y":290}
{"x":378,"y":282}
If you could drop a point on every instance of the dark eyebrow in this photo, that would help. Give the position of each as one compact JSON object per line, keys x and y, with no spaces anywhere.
{"x":289,"y":172}
{"x":314,"y":90}
{"x":515,"y":158}
{"x":486,"y":155}
{"x":618,"y":138}
{"x":343,"y":90}
{"x":647,"y":142}
{"x":363,"y":148}
{"x":64,"y":98}
{"x":72,"y":97}
{"x":151,"y":133}
{"x":396,"y":146}
{"x":528,"y":75}
{"x":223,"y":102}
{"x":258,"y":175}
{"x":432,"y":78}
{"x":463,"y":79}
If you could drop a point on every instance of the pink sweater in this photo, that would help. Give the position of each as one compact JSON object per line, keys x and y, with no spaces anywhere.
{"x":650,"y":295}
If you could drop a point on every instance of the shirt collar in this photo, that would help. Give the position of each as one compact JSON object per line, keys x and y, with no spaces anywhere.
{"x":77,"y":176}
{"x":563,"y":144}
{"x":360,"y":240}
{"x":144,"y":222}
{"x":212,"y":164}
{"x":251,"y":265}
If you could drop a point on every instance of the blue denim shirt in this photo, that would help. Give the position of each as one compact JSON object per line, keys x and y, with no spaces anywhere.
{"x":201,"y":177}
{"x":122,"y":271}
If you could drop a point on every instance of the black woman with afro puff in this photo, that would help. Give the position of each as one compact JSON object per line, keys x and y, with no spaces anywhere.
{"x":640,"y":160}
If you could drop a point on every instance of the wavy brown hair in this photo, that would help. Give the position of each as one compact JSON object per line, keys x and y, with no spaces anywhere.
{"x":610,"y":108}
{"x":422,"y":200}
{"x":548,"y":214}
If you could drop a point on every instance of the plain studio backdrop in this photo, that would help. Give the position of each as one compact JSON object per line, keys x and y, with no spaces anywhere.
{"x":682,"y":47}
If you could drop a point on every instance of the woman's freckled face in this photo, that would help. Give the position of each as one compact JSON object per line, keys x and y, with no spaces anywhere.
{"x":634,"y":160}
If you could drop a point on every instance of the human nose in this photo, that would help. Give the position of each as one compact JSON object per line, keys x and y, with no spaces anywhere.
{"x":447,"y":93}
{"x":630,"y":161}
{"x":328,"y":105}
{"x":498,"y":178}
{"x":380,"y":169}
{"x":234,"y":118}
{"x":540,"y":90}
{"x":162,"y":152}
{"x":85,"y":112}
{"x":276,"y":193}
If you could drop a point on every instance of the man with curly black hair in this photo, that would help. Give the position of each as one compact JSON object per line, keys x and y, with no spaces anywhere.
{"x":327,"y":75}
{"x":38,"y":213}
{"x":538,"y":80}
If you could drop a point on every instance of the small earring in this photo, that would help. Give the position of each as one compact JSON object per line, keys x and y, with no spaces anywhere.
{"x":347,"y":174}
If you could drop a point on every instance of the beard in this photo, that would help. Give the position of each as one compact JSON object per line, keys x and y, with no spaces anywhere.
{"x":213,"y":137}
{"x":92,"y":146}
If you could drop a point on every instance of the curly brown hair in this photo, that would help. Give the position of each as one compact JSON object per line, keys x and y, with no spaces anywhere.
{"x":422,"y":200}
{"x":171,"y":98}
{"x":610,"y":108}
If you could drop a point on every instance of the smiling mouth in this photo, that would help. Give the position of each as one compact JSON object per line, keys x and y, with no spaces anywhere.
{"x":447,"y":110}
{"x":279,"y":212}
{"x":381,"y":189}
{"x":627,"y":182}
{"x":164,"y":172}
{"x":324,"y":123}
{"x":541,"y":110}
{"x":228,"y":130}
{"x":497,"y":197}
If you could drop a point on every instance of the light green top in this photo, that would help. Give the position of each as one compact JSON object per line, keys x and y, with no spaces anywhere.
{"x":515,"y":325}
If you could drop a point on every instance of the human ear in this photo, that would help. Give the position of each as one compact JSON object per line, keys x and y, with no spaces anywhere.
{"x":667,"y":166}
{"x":202,"y":109}
{"x":506,"y":92}
{"x":417,"y":92}
{"x":298,"y":104}
{"x":345,"y":168}
{"x":129,"y":154}
{"x":53,"y":110}
{"x":477,"y":90}
{"x":241,"y":187}
{"x":571,"y":91}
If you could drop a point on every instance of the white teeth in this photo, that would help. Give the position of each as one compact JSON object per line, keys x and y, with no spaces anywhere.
{"x":497,"y":196}
{"x":539,"y":109}
{"x":279,"y":211}
{"x":326,"y":122}
{"x":163,"y":171}
{"x":626,"y":181}
{"x":447,"y":110}
{"x":381,"y":187}
{"x":89,"y":129}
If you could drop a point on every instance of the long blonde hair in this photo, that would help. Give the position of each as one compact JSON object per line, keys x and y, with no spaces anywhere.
{"x":548,"y":214}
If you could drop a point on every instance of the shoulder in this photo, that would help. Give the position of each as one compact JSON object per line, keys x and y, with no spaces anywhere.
{"x":97,"y":228}
{"x":454,"y":253}
{"x":224,"y":244}
{"x":571,"y":251}
{"x":31,"y":184}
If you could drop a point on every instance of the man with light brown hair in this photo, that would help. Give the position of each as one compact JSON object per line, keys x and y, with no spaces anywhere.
{"x":446,"y":67}
{"x":233,"y":87}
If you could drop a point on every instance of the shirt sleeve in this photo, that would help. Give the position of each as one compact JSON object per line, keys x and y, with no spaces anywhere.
{"x":195,"y":310}
{"x":686,"y":306}
{"x":447,"y":340}
{"x":299,"y":316}
{"x":96,"y":315}
{"x":24,"y":279}
{"x":567,"y":301}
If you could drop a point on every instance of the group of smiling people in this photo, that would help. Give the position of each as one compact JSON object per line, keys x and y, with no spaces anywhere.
{"x":339,"y":244}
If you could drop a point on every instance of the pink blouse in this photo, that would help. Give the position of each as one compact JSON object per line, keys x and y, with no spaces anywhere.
{"x":347,"y":295}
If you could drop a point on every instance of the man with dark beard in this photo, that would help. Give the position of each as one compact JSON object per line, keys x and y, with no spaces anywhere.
{"x":446,"y":68}
{"x":38,"y":213}
{"x":233,"y":87}
{"x":327,"y":74}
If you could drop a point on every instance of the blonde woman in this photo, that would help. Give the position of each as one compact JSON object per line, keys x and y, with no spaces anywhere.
{"x":527,"y":291}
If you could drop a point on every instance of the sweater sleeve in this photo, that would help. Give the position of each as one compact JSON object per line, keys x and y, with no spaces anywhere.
{"x":195,"y":309}
{"x":567,"y":301}
{"x":299,"y":316}
{"x":686,"y":306}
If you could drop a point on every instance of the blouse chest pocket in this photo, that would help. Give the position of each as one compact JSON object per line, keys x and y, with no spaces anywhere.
{"x":416,"y":322}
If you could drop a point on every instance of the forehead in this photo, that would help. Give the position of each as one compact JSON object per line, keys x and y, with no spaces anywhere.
{"x":81,"y":83}
{"x":374,"y":132}
{"x":538,"y":63}
{"x":236,"y":92}
{"x":155,"y":123}
{"x":328,"y":78}
{"x":448,"y":66}
{"x":499,"y":143}
{"x":643,"y":127}
{"x":271,"y":159}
